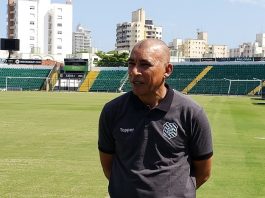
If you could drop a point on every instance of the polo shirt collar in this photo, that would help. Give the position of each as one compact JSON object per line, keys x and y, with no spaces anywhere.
{"x":164,"y":105}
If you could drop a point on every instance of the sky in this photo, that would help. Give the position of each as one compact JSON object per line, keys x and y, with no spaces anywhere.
{"x":228,"y":22}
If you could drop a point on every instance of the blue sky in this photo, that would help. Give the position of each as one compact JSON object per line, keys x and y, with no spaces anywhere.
{"x":228,"y":22}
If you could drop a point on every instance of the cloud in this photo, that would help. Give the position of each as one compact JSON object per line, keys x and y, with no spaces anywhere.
{"x":253,"y":2}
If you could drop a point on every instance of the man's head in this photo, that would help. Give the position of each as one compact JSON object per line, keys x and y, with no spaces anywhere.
{"x":148,"y":67}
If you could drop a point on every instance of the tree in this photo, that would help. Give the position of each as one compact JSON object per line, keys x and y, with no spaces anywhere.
{"x":114,"y":59}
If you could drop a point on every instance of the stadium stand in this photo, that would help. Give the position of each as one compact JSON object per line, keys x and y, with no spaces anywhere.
{"x":197,"y":79}
{"x":234,"y":78}
{"x":26,"y":77}
{"x":108,"y":81}
{"x":183,"y":75}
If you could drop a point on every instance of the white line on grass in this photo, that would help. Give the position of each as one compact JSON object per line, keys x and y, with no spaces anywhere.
{"x":260,"y":138}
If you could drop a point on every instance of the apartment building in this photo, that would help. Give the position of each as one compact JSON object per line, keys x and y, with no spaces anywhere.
{"x":11,"y":19}
{"x":250,"y":49}
{"x":81,"y":40}
{"x":196,"y":48}
{"x":129,"y":33}
{"x":152,"y":31}
{"x":216,"y":51}
{"x":43,"y":27}
{"x":176,"y":47}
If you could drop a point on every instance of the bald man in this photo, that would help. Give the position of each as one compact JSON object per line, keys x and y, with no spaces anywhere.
{"x":154,"y":142}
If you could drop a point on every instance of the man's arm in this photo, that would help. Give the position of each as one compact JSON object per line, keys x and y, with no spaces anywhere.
{"x":106,"y":163}
{"x":202,"y":171}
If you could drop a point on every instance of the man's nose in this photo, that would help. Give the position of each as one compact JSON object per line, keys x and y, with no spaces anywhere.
{"x":135,"y":70}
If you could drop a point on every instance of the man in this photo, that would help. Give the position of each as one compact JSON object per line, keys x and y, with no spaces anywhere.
{"x":154,"y":142}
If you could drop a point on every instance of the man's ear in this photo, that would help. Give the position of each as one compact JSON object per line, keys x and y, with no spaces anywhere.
{"x":166,"y":75}
{"x":169,"y":70}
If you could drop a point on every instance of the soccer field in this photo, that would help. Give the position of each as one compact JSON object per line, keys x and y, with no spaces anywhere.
{"x":48,"y":145}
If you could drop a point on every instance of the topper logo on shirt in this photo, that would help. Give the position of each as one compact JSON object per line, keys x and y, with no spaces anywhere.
{"x":129,"y":130}
{"x":170,"y":130}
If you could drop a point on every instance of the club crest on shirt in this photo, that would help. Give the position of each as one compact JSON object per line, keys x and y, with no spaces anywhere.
{"x":170,"y":130}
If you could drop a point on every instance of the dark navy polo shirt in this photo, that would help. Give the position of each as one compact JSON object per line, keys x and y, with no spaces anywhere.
{"x":153,"y":148}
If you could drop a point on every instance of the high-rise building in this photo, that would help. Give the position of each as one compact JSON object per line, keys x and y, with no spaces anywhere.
{"x":129,"y":33}
{"x":81,"y":40}
{"x":260,"y":39}
{"x":42,"y":27}
{"x":11,"y":18}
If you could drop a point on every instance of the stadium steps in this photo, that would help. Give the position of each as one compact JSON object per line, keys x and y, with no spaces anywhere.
{"x":53,"y":79}
{"x":124,"y":80}
{"x":257,"y":89}
{"x":197,"y":79}
{"x":182,"y":75}
{"x":88,"y":82}
{"x":53,"y":76}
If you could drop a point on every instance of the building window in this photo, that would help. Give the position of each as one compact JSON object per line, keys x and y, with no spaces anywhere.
{"x":32,"y":7}
{"x":31,"y":38}
{"x":59,"y":47}
{"x":31,"y":22}
{"x":59,"y":17}
{"x":59,"y":32}
{"x":59,"y":24}
{"x":60,"y":9}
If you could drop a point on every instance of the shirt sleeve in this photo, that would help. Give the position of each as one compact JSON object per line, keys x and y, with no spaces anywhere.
{"x":105,"y":137}
{"x":201,"y":147}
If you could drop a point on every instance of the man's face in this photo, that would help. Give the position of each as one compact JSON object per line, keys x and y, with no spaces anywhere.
{"x":146,"y":70}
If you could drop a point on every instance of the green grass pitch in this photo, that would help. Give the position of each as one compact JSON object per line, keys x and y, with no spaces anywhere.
{"x":48,"y":145}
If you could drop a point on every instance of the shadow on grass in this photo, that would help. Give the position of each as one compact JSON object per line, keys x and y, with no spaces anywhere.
{"x":258,"y":103}
{"x":262,"y":101}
